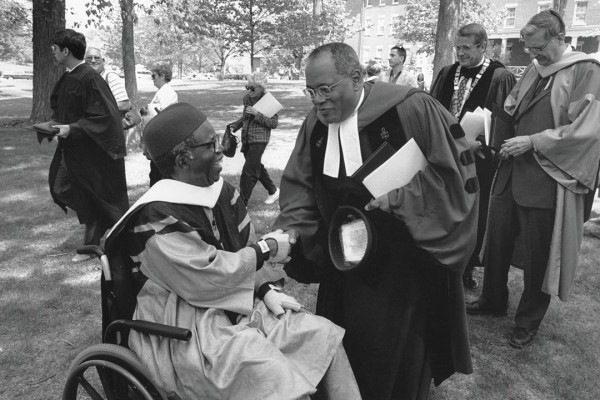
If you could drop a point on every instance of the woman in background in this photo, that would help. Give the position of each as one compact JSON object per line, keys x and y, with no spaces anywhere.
{"x":421,"y":82}
{"x":256,"y":132}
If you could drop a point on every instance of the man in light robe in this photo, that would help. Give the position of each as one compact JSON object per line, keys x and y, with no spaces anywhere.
{"x":545,"y":183}
{"x":189,"y":235}
{"x":474,"y":81}
{"x":87,"y":173}
{"x":402,"y":311}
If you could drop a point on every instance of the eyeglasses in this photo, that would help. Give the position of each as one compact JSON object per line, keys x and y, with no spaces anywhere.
{"x":252,"y":88}
{"x":536,"y":49}
{"x":323,"y":91}
{"x":466,"y":47}
{"x":93,"y":58}
{"x":215,"y":143}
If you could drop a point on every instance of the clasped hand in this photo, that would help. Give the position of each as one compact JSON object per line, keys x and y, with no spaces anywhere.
{"x":278,"y":302}
{"x":515,"y":146}
{"x":285,"y":241}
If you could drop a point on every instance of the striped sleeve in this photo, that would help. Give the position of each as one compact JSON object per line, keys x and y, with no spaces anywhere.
{"x":116,"y":87}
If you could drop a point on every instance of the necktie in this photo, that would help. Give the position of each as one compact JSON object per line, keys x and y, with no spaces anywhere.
{"x":458,"y":97}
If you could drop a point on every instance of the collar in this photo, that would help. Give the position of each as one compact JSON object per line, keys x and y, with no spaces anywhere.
{"x":346,"y":134}
{"x":472,"y":72}
{"x":176,"y":192}
{"x":69,"y":70}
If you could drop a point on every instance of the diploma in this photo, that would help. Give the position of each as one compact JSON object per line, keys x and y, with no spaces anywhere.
{"x":268,"y":105}
{"x":397,"y":171}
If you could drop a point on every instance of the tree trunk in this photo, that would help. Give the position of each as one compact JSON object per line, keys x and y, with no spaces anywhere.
{"x":251,"y":16}
{"x":48,"y":18}
{"x":133,"y":135}
{"x":560,"y":5}
{"x":128,"y":49}
{"x":448,"y":20}
{"x":317,"y":7}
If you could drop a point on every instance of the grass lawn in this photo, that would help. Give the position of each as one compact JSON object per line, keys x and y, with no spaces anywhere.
{"x":50,"y":307}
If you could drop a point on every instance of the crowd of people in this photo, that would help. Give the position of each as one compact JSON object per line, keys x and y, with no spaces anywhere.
{"x":394,"y":323}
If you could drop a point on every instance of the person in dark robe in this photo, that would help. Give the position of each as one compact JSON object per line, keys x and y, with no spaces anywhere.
{"x":87,"y":172}
{"x":403,"y":309}
{"x":192,"y":239}
{"x":474,"y":81}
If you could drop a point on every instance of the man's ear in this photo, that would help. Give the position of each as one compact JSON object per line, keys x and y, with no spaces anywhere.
{"x":357,"y":78}
{"x":181,"y":161}
{"x":483,"y":46}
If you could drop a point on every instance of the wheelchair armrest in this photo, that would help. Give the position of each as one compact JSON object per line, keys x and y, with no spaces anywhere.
{"x":150,"y":328}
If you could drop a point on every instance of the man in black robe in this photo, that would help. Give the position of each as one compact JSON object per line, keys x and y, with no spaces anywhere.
{"x":87,"y":173}
{"x":474,"y":81}
{"x":402,"y":310}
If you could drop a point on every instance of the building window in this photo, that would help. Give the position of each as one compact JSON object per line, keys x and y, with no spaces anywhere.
{"x":379,"y":52}
{"x":394,"y":24}
{"x":580,"y":12}
{"x":368,"y":24}
{"x":395,"y":1}
{"x":369,"y":3}
{"x":544,"y":5}
{"x":380,"y":25}
{"x":509,"y":21}
{"x":381,"y":2}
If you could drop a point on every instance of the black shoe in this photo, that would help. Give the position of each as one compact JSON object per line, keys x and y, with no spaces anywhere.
{"x":470,"y":283}
{"x":521,"y":337}
{"x":480,"y":307}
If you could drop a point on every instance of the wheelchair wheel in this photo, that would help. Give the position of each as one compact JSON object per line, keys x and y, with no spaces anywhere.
{"x":108,"y":371}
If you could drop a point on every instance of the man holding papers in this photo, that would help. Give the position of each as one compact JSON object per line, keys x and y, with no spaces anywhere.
{"x":258,"y":119}
{"x":548,"y":170}
{"x":468,"y":89}
{"x":405,"y":324}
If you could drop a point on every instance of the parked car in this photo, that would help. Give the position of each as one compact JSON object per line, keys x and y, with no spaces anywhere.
{"x":17,"y":74}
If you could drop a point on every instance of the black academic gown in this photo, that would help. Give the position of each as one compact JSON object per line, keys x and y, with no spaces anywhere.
{"x":493,"y":87}
{"x":94,"y":151}
{"x":404,"y":311}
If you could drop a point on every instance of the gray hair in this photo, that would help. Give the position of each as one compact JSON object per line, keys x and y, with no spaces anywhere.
{"x":163,"y":68}
{"x":345,"y":58}
{"x":259,"y":79}
{"x":374,"y":68}
{"x":549,"y":20}
{"x":166,"y":162}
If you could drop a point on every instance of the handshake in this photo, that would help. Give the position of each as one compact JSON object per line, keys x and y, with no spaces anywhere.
{"x":280,"y":244}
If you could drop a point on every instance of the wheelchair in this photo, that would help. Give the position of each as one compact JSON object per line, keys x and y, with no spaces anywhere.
{"x":111,"y":370}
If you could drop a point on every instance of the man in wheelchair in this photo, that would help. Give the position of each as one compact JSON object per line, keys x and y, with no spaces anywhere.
{"x":189,"y":237}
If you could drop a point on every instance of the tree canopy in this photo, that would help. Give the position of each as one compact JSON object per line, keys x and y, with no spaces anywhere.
{"x":422,"y":25}
{"x":15,"y":35}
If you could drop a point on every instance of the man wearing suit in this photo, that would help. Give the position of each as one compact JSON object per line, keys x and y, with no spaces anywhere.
{"x":474,"y":81}
{"x":547,"y":171}
{"x":397,"y":74}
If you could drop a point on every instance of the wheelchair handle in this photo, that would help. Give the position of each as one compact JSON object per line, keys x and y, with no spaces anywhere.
{"x":90,"y":249}
{"x":98,"y":252}
{"x":149,"y":328}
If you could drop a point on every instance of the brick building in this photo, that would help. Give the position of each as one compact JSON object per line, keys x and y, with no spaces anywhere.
{"x":582,"y":20}
{"x":375,"y":20}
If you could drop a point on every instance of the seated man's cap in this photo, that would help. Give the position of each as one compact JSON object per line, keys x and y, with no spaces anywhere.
{"x":170,"y":127}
